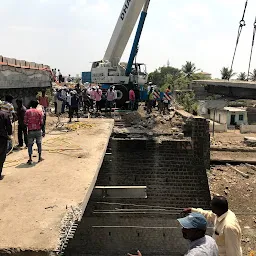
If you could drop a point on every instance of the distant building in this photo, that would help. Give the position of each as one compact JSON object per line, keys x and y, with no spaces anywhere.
{"x":229,"y":115}
{"x":205,"y":74}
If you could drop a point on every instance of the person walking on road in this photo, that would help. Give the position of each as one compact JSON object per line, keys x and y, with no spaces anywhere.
{"x":5,"y":135}
{"x":22,"y":128}
{"x":227,"y":231}
{"x":193,"y":229}
{"x":34,"y":121}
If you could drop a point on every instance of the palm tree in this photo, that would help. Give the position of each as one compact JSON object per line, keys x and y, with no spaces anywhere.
{"x":253,"y":75}
{"x":226,"y":73}
{"x":242,"y":76}
{"x":189,"y":69}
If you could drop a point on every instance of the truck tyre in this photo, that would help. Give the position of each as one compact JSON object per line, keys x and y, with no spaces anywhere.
{"x":122,"y":95}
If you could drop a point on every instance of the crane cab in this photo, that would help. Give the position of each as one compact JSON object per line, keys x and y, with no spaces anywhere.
{"x":103,"y":72}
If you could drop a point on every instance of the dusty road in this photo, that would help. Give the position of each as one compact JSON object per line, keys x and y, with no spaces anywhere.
{"x":34,"y":199}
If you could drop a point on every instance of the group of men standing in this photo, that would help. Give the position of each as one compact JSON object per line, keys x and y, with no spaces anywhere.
{"x":31,"y":126}
{"x":226,"y":239}
{"x":91,"y":98}
{"x":160,"y":98}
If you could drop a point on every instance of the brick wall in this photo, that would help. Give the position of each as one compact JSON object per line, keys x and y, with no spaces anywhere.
{"x":174,"y":172}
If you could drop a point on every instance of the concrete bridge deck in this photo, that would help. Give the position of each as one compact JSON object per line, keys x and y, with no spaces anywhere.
{"x":232,"y":89}
{"x":35,"y":199}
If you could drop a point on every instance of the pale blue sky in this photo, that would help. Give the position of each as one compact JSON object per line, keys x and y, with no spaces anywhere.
{"x":69,"y":34}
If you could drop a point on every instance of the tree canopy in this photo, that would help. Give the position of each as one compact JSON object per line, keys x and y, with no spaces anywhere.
{"x":177,"y":79}
{"x":226,"y":73}
{"x":242,"y":76}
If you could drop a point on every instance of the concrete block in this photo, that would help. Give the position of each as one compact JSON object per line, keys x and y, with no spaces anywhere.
{"x":41,"y":66}
{"x":32,"y":65}
{"x":11,"y":62}
{"x":5,"y":60}
{"x":23,"y":63}
{"x":18,"y":63}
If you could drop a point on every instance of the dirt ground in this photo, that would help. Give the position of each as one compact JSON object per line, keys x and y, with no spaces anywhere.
{"x":231,"y":140}
{"x":36,"y":198}
{"x":241,"y":194}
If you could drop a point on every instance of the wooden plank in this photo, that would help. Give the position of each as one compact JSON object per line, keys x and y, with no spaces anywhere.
{"x":245,"y":175}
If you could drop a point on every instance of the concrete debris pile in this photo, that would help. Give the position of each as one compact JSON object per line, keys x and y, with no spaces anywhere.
{"x":250,"y":141}
{"x":155,"y":123}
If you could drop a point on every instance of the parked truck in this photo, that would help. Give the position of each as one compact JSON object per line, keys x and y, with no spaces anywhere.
{"x":23,"y":79}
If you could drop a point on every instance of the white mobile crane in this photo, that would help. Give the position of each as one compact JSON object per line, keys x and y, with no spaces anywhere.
{"x":109,"y":71}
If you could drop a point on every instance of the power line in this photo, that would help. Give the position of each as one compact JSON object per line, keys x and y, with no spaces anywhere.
{"x":240,"y":28}
{"x":253,"y":38}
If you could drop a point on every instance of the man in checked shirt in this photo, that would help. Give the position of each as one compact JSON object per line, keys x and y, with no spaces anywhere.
{"x":227,"y":232}
{"x":34,"y":121}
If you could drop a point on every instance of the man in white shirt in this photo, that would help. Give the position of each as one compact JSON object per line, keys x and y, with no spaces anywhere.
{"x":227,"y":231}
{"x":193,"y":229}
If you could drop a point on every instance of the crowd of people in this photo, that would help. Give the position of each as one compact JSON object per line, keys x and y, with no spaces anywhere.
{"x":90,"y":99}
{"x":31,"y":126}
{"x":159,"y":99}
{"x":227,"y":237}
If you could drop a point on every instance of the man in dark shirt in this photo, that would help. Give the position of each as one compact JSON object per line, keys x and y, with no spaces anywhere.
{"x":74,"y":106}
{"x":22,"y":128}
{"x":5,"y":133}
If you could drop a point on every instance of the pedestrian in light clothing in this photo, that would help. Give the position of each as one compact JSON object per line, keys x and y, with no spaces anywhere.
{"x":44,"y":102}
{"x":111,"y":96}
{"x":8,"y":108}
{"x":132,"y":99}
{"x":34,"y":121}
{"x":227,"y":231}
{"x":193,"y":229}
{"x":98,"y":97}
{"x":22,"y":128}
{"x":5,"y":135}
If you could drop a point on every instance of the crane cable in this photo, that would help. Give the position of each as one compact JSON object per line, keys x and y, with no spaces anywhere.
{"x":253,"y":38}
{"x":240,"y":28}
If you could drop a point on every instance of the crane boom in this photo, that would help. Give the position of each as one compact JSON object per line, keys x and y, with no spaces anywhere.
{"x":124,"y":27}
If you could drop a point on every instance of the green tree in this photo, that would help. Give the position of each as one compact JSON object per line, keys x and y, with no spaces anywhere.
{"x":189,"y":69}
{"x":187,"y":100}
{"x":253,"y":75}
{"x":226,"y":73}
{"x":242,"y":76}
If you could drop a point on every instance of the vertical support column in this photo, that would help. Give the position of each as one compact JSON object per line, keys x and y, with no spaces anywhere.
{"x":201,"y":141}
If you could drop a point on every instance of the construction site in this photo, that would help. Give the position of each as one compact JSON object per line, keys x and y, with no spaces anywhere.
{"x":123,"y":159}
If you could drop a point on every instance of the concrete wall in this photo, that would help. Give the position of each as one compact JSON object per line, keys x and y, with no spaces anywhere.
{"x":251,"y":114}
{"x":174,"y":172}
{"x":218,"y":127}
{"x":248,"y":128}
{"x":13,"y":78}
{"x":220,"y":116}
